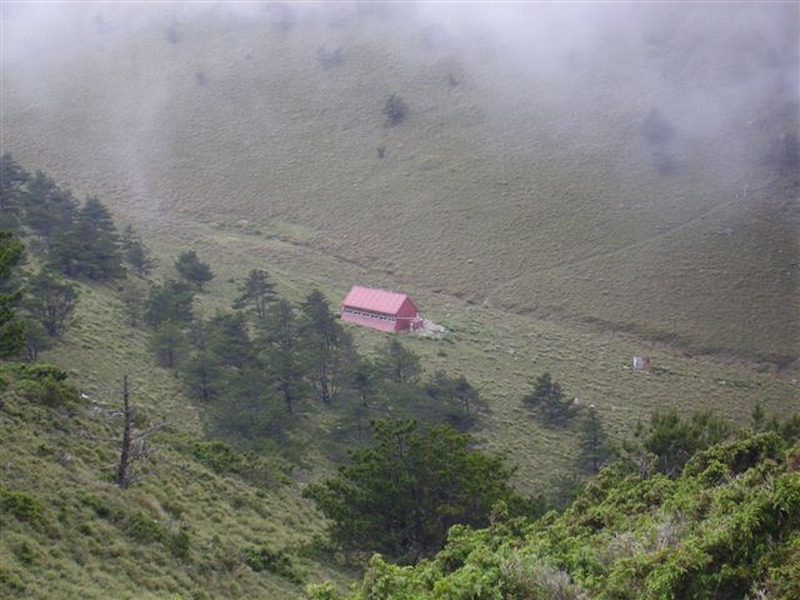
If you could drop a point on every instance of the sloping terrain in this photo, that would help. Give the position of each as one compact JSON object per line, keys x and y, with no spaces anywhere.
{"x":633,"y":167}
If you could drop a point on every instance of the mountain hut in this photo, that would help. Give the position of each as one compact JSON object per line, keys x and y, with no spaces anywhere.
{"x":380,"y":309}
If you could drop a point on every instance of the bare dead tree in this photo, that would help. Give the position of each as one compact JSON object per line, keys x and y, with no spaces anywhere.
{"x":134,"y":449}
{"x":123,"y":476}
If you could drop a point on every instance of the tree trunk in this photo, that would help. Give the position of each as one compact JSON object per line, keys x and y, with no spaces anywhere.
{"x":123,"y":476}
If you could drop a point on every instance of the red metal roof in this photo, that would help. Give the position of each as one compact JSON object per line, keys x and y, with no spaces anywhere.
{"x":375,"y":300}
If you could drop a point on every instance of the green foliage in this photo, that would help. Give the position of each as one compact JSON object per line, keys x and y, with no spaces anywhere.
{"x":132,"y":296}
{"x":548,"y":404}
{"x":51,"y":301}
{"x":398,"y":363}
{"x":12,"y":179}
{"x":218,"y":456}
{"x":279,"y":336}
{"x":36,"y":339}
{"x":455,"y":398}
{"x":261,"y":558}
{"x":193,"y":270}
{"x":12,"y":330}
{"x":594,"y":450}
{"x":402,"y":495}
{"x":144,"y":528}
{"x":728,"y":526}
{"x":256,"y":293}
{"x":179,"y":544}
{"x":91,"y":247}
{"x":45,"y":384}
{"x":673,"y":441}
{"x":326,"y":348}
{"x":41,"y":371}
{"x":136,"y":253}
{"x":228,"y":340}
{"x":23,"y":506}
{"x":49,"y":210}
{"x":168,"y":344}
{"x":170,"y":301}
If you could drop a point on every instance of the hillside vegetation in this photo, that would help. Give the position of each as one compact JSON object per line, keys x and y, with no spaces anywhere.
{"x":632,"y":167}
{"x":726,"y":528}
{"x":194,"y":188}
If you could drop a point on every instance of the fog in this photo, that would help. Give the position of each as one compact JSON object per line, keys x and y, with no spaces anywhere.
{"x":700,"y":64}
{"x":643,"y":117}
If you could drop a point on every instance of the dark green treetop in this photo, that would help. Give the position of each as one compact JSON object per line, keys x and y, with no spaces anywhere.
{"x":256,"y":292}
{"x":402,"y":495}
{"x":91,"y":247}
{"x":12,"y":330}
{"x":193,"y":270}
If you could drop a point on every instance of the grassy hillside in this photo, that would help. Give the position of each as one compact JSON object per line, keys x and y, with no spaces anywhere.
{"x":201,"y":522}
{"x":522,"y":178}
{"x":522,"y":204}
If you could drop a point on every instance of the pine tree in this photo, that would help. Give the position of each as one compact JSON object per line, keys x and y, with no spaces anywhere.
{"x":168,"y":344}
{"x":548,"y":402}
{"x":12,"y":179}
{"x":48,"y":209}
{"x":12,"y":330}
{"x":401,"y":496}
{"x":398,"y":363}
{"x":92,"y":247}
{"x":136,"y":253}
{"x":51,"y":300}
{"x":256,"y":292}
{"x":279,"y":337}
{"x":594,"y":451}
{"x":395,"y":109}
{"x":193,"y":270}
{"x":170,"y":301}
{"x":228,"y":341}
{"x":327,"y":347}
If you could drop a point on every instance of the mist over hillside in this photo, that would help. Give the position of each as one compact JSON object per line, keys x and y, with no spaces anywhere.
{"x":634,"y":166}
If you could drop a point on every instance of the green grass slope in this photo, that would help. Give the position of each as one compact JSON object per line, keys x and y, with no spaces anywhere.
{"x":521,"y":178}
{"x":199,"y":522}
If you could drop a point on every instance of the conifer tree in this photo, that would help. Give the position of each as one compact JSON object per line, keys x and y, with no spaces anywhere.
{"x":92,"y":247}
{"x":256,"y":292}
{"x":401,"y":496}
{"x":228,"y":341}
{"x":51,"y":300}
{"x":168,"y":344}
{"x":594,"y":451}
{"x":193,"y":270}
{"x":398,"y":363}
{"x":548,"y":402}
{"x":170,"y":301}
{"x":327,"y":347}
{"x":279,"y":339}
{"x":12,"y":330}
{"x":48,"y":209}
{"x":12,"y":178}
{"x":136,"y":253}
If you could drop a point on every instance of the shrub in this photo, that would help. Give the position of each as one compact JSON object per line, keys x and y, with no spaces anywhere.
{"x":22,"y":505}
{"x":218,"y":456}
{"x":143,"y":528}
{"x":261,"y":558}
{"x":395,"y":109}
{"x":179,"y":544}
